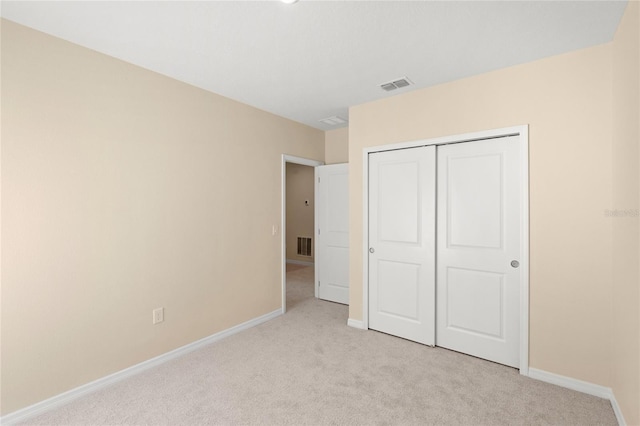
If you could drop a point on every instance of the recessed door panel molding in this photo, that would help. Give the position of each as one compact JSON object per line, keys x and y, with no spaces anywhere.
{"x":332,"y":233}
{"x":475,"y":183}
{"x":401,"y":252}
{"x":476,"y":302}
{"x":399,"y":289}
{"x":337,"y":281}
{"x":338,"y":215}
{"x":399,"y":195}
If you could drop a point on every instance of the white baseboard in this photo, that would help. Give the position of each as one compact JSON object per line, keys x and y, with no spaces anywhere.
{"x":355,"y":324}
{"x":66,"y":397}
{"x":580,"y":386}
{"x":617,"y":410}
{"x":300,"y":262}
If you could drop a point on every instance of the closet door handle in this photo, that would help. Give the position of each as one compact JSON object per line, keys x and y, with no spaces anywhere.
{"x":372,"y":250}
{"x":515,"y":263}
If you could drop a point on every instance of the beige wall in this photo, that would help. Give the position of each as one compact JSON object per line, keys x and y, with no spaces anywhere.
{"x":566,"y":100}
{"x":124,"y":191}
{"x":336,"y":146}
{"x":300,"y":187}
{"x":625,"y":334}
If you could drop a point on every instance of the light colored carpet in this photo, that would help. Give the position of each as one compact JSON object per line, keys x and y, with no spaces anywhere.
{"x":308,"y":367}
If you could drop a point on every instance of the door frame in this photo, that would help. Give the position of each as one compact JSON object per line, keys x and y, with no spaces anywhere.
{"x":523,"y":133}
{"x":283,"y":216}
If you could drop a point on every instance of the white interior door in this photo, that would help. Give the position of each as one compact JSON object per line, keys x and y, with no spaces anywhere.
{"x":332,"y":236}
{"x":401,"y":243}
{"x":478,"y":289}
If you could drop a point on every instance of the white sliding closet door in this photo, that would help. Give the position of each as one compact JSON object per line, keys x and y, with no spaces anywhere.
{"x":448,"y":277}
{"x":401,"y":243}
{"x":478,"y":285}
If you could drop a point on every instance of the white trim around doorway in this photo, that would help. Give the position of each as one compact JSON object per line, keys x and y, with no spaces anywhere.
{"x":523,"y":133}
{"x":283,"y":216}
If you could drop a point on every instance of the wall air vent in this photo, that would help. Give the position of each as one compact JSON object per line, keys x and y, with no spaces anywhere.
{"x":333,"y":121}
{"x":304,"y":246}
{"x":396,"y":84}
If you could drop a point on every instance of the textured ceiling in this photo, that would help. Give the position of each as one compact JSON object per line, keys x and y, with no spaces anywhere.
{"x":314,"y":59}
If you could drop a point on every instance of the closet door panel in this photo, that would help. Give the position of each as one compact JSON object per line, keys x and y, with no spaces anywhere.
{"x":402,"y":243}
{"x":478,"y":289}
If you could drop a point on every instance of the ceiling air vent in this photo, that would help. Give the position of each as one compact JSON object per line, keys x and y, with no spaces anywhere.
{"x":333,"y":121}
{"x":396,"y":84}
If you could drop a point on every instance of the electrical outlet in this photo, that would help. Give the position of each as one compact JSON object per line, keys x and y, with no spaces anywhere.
{"x":158,"y":315}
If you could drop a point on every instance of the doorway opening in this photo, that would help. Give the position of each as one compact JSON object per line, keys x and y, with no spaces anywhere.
{"x":298,"y":216}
